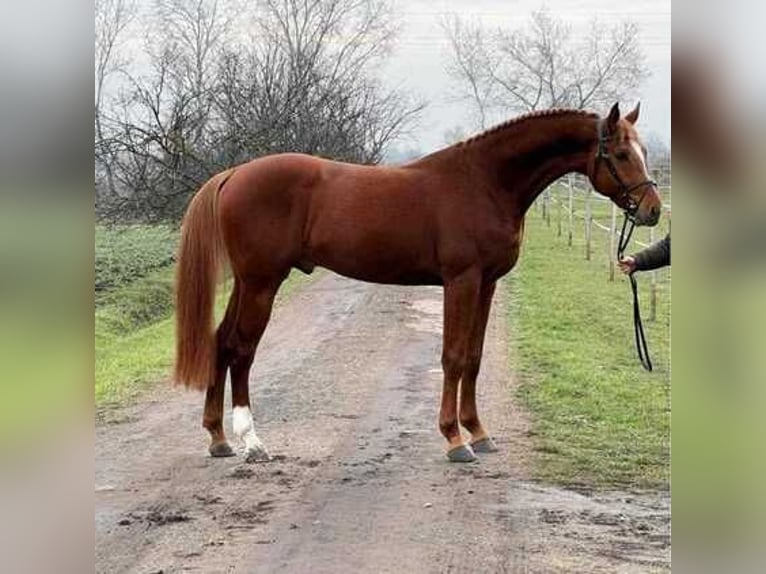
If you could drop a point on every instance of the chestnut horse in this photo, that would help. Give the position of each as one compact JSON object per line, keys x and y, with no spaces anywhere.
{"x":453,"y":218}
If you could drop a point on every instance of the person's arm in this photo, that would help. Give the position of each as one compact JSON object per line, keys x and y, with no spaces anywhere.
{"x":654,"y":256}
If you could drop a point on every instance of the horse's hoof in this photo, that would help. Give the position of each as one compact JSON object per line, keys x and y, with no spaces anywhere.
{"x":220,"y":450}
{"x":257,"y":454}
{"x":484,"y":445}
{"x":462,"y":453}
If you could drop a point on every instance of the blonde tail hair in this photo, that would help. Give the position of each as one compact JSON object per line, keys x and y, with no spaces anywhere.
{"x":201,"y":255}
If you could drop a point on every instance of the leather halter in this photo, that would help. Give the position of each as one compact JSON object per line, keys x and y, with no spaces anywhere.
{"x":630,"y":207}
{"x":642,"y":348}
{"x":625,"y":201}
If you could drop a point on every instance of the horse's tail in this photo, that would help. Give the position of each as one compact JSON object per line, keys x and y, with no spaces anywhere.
{"x":201,"y":255}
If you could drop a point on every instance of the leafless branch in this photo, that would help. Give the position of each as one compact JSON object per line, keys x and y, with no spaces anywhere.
{"x":302,"y":82}
{"x":543,"y":65}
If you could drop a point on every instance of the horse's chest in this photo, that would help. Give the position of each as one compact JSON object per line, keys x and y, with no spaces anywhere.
{"x":501,"y":251}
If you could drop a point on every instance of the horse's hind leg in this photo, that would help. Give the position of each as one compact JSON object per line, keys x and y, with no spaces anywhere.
{"x":212,"y":419}
{"x":256,"y":304}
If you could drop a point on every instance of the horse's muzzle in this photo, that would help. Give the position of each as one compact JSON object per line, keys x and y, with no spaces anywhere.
{"x":649,"y":217}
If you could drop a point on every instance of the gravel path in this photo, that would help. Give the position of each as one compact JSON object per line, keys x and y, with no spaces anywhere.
{"x":346,"y":389}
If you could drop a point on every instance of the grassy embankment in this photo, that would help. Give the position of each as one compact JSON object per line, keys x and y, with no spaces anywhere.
{"x":598,"y":417}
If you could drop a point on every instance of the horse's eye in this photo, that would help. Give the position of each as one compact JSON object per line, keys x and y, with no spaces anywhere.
{"x":621,"y":155}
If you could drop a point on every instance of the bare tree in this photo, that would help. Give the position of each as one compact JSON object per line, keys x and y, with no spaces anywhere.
{"x":543,"y":65}
{"x":474,"y":62}
{"x":301,"y":79}
{"x":162,"y":131}
{"x":307,"y":84}
{"x":112,"y":17}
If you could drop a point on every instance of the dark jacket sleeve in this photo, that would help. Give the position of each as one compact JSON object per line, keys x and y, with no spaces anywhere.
{"x":654,"y":256}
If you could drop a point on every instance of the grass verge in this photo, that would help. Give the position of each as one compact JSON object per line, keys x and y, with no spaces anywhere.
{"x":598,"y":418}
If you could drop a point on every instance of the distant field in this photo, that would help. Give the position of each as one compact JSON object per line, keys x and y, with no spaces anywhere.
{"x":598,"y":417}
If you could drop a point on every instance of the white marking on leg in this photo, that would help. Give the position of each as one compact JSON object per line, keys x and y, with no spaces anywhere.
{"x":640,"y":153}
{"x":244,"y":429}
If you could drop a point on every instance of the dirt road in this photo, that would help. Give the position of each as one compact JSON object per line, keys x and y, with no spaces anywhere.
{"x":345,"y":390}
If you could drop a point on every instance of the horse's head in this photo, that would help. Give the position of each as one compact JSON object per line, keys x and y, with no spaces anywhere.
{"x":618,"y":168}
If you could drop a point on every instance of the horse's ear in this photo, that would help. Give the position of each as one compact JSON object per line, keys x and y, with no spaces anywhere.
{"x":613,"y":117}
{"x":632,"y":117}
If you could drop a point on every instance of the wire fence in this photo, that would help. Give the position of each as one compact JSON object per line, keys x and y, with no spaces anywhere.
{"x":576,"y":209}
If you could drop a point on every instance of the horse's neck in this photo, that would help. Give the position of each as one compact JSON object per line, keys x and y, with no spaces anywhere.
{"x":523,"y":159}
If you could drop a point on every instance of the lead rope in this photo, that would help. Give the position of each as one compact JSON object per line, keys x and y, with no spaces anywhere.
{"x":638,"y":324}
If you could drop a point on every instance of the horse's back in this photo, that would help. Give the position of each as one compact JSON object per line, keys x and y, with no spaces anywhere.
{"x":290,"y":173}
{"x":375,"y":223}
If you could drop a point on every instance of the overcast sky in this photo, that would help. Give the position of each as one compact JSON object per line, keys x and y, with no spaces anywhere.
{"x":419,"y":61}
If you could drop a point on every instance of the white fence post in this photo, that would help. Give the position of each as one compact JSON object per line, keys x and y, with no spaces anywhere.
{"x":571,"y":208}
{"x":612,"y":231}
{"x":653,"y":285}
{"x":548,"y":206}
{"x":588,"y":223}
{"x":559,"y":209}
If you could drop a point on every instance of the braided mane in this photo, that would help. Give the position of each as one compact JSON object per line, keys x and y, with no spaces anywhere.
{"x":549,"y":113}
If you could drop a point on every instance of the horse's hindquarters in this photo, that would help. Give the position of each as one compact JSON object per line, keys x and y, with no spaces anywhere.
{"x":262,"y":210}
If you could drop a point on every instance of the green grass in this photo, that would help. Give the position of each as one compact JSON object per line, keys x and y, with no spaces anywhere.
{"x":138,"y":303}
{"x":126,"y":253}
{"x":134,"y":303}
{"x":598,"y":418}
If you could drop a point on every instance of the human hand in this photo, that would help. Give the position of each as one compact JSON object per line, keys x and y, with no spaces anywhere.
{"x":627,"y":265}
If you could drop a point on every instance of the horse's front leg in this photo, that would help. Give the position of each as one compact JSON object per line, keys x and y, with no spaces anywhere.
{"x":469,"y":415}
{"x":461,"y":298}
